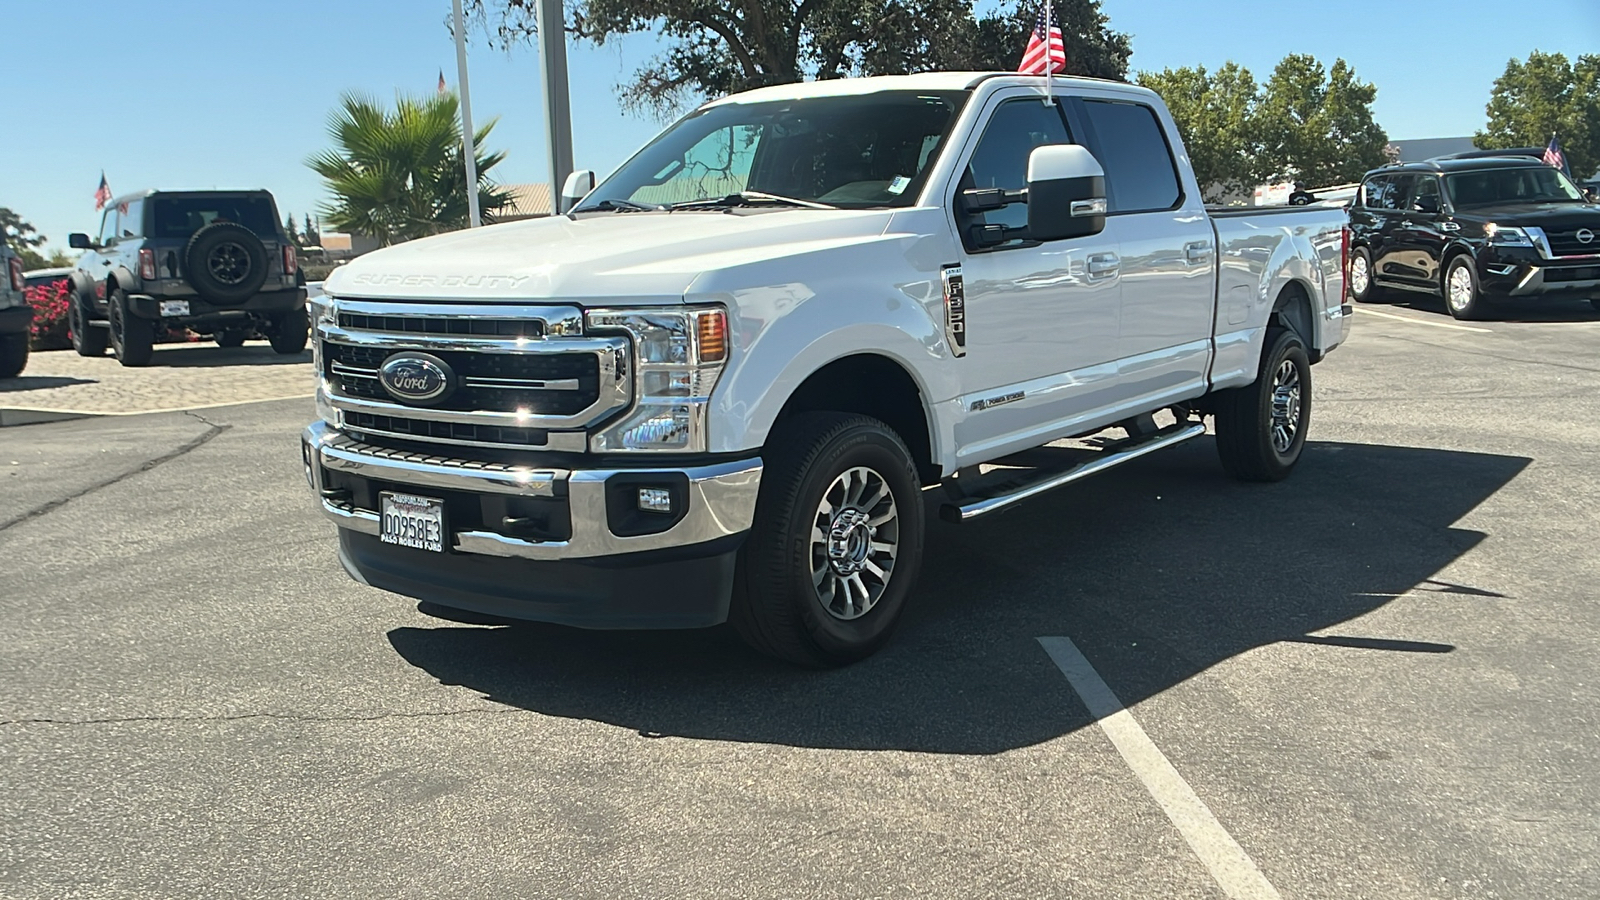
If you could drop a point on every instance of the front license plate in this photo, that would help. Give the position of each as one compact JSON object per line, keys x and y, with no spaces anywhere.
{"x":411,"y":521}
{"x":174,"y":307}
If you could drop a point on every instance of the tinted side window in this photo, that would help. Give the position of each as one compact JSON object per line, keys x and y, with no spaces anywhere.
{"x":1426,"y":194}
{"x":1140,"y":172}
{"x":1400,"y":193}
{"x":1001,"y":158}
{"x":108,"y":226}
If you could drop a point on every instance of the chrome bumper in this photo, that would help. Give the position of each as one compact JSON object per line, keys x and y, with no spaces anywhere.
{"x":722,"y":497}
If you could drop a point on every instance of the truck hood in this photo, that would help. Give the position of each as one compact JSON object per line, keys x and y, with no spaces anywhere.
{"x":618,"y":258}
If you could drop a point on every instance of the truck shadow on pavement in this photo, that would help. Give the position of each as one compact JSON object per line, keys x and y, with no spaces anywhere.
{"x":1532,"y":310}
{"x":40,"y":382}
{"x":1157,"y":571}
{"x":193,"y":357}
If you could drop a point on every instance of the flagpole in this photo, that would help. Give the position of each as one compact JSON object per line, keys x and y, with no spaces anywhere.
{"x":1049,"y":54}
{"x":467,"y":142}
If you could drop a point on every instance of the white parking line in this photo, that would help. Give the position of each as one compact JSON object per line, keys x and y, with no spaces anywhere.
{"x":1451,"y":325}
{"x":1227,"y":862}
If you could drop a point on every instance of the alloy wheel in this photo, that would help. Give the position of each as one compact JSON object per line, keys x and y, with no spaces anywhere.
{"x":854,"y":540}
{"x":1460,"y":290}
{"x":1360,"y":276}
{"x":1286,"y":406}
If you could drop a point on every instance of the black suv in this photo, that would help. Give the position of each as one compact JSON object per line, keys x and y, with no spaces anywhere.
{"x":1474,"y":231}
{"x":215,"y":262}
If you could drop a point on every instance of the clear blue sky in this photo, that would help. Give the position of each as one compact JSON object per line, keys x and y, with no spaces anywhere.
{"x":205,"y":94}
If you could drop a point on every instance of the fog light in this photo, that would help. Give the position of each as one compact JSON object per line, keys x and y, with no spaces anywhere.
{"x":656,"y":500}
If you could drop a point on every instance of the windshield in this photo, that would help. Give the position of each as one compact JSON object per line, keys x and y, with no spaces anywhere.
{"x":179,"y":217}
{"x":1533,"y":184}
{"x":852,"y":152}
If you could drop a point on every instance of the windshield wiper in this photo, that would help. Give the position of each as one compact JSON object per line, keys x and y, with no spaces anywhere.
{"x":609,"y":205}
{"x":748,"y":198}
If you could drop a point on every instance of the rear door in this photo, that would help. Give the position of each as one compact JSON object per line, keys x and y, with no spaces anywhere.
{"x":1388,"y":259}
{"x":1167,"y":247}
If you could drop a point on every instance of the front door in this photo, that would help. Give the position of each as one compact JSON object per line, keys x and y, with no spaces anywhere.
{"x":1041,"y":319}
{"x":1419,"y":241}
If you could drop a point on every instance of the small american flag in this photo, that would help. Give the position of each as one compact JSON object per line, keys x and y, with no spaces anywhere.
{"x":1553,"y":155}
{"x":102,"y":194}
{"x":1047,"y":52}
{"x":442,"y":87}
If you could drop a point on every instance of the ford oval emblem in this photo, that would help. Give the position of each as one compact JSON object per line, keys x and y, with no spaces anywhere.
{"x":420,"y":379}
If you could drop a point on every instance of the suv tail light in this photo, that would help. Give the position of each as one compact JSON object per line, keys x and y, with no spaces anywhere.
{"x":17,"y":282}
{"x":147,"y":264}
{"x":290,"y":261}
{"x":1344,"y":249}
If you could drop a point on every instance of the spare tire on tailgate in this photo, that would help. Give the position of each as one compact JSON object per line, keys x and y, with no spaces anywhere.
{"x":225,"y":263}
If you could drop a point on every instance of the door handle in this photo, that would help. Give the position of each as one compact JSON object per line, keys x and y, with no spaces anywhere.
{"x":1449,"y":226}
{"x":1103,"y":264}
{"x":1198,"y":251}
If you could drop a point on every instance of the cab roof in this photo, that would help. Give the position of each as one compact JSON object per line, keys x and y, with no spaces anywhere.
{"x":925,"y":81}
{"x":1445,"y":166}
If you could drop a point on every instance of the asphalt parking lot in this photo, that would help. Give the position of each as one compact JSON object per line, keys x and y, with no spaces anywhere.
{"x":1378,"y":677}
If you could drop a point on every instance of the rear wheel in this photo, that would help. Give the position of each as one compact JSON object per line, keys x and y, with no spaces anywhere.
{"x":13,"y":354}
{"x":232,"y":337}
{"x":133,"y":339}
{"x":1261,"y":428}
{"x":1363,"y":289}
{"x":290,"y":331}
{"x":1461,"y":294}
{"x":836,"y":543}
{"x":87,"y":339}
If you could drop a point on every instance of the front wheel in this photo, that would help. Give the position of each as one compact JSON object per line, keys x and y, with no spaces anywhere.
{"x":290,"y":331}
{"x":13,"y":354}
{"x":133,"y":339}
{"x":1461,"y":294}
{"x":836,"y":542}
{"x":1261,"y":428}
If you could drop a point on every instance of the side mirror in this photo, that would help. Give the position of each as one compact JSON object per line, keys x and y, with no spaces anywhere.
{"x":79,"y":241}
{"x":578,"y":185}
{"x":1066,"y":193}
{"x":1427,"y":204}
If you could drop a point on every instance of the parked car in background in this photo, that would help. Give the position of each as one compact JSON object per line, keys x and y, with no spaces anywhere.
{"x":216,"y":262}
{"x":16,"y":316}
{"x":1479,"y":232}
{"x":42,"y":277}
{"x":715,"y":390}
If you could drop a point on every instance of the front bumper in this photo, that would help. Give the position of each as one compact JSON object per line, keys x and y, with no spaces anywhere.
{"x":147,"y":306}
{"x":16,"y":319}
{"x":1504,"y":276}
{"x":576,"y":569}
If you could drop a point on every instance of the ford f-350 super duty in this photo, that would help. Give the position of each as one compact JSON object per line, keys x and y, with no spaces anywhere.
{"x":716,"y":388}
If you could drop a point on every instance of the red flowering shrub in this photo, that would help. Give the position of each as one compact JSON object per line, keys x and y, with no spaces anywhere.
{"x":49,"y":302}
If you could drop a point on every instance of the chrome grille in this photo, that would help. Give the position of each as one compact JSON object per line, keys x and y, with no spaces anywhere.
{"x":527,"y":377}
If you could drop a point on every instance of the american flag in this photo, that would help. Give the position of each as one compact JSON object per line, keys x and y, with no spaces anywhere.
{"x":102,"y":194}
{"x":1553,"y":155}
{"x":442,"y":87}
{"x":1037,"y":59}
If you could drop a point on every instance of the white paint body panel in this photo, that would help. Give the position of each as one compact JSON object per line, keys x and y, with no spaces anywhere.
{"x":807,"y":287}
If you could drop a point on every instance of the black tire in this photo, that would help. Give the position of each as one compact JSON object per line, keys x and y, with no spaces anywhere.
{"x":231,"y":337}
{"x":13,"y":354}
{"x":1247,"y":418}
{"x":225,"y":263}
{"x":290,"y":331}
{"x":1361,"y":261}
{"x":778,"y":606}
{"x":133,"y":339}
{"x":1472,"y":306}
{"x":87,"y":339}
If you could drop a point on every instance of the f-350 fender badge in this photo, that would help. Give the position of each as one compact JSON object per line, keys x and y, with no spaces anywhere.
{"x":955,"y":310}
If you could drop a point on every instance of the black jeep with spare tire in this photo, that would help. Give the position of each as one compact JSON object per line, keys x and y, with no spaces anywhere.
{"x":215,"y":262}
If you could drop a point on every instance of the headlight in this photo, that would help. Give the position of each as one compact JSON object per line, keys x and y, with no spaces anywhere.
{"x":1507,"y":236}
{"x":679,"y":354}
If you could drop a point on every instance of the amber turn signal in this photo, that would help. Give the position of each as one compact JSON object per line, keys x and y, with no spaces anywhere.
{"x":713,"y":336}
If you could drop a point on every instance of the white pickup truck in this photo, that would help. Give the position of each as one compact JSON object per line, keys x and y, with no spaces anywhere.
{"x":717,"y":388}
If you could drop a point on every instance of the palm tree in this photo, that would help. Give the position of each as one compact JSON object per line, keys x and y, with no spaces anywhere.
{"x":400,"y":175}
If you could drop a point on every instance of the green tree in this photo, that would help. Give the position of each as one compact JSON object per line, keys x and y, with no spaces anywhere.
{"x":20,"y":234}
{"x":312,"y":237}
{"x":399,"y":174}
{"x":289,"y":228}
{"x":1548,"y":95}
{"x":1316,"y":124}
{"x":720,"y":48}
{"x":1215,"y":113}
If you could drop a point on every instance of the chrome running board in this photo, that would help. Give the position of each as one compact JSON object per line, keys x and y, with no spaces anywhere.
{"x":1125,"y":451}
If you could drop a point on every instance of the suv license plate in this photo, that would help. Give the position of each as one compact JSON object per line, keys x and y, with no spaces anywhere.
{"x":411,"y":521}
{"x":174,"y":307}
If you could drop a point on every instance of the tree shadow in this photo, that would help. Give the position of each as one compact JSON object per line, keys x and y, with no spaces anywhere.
{"x":1157,"y":571}
{"x":41,"y":382}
